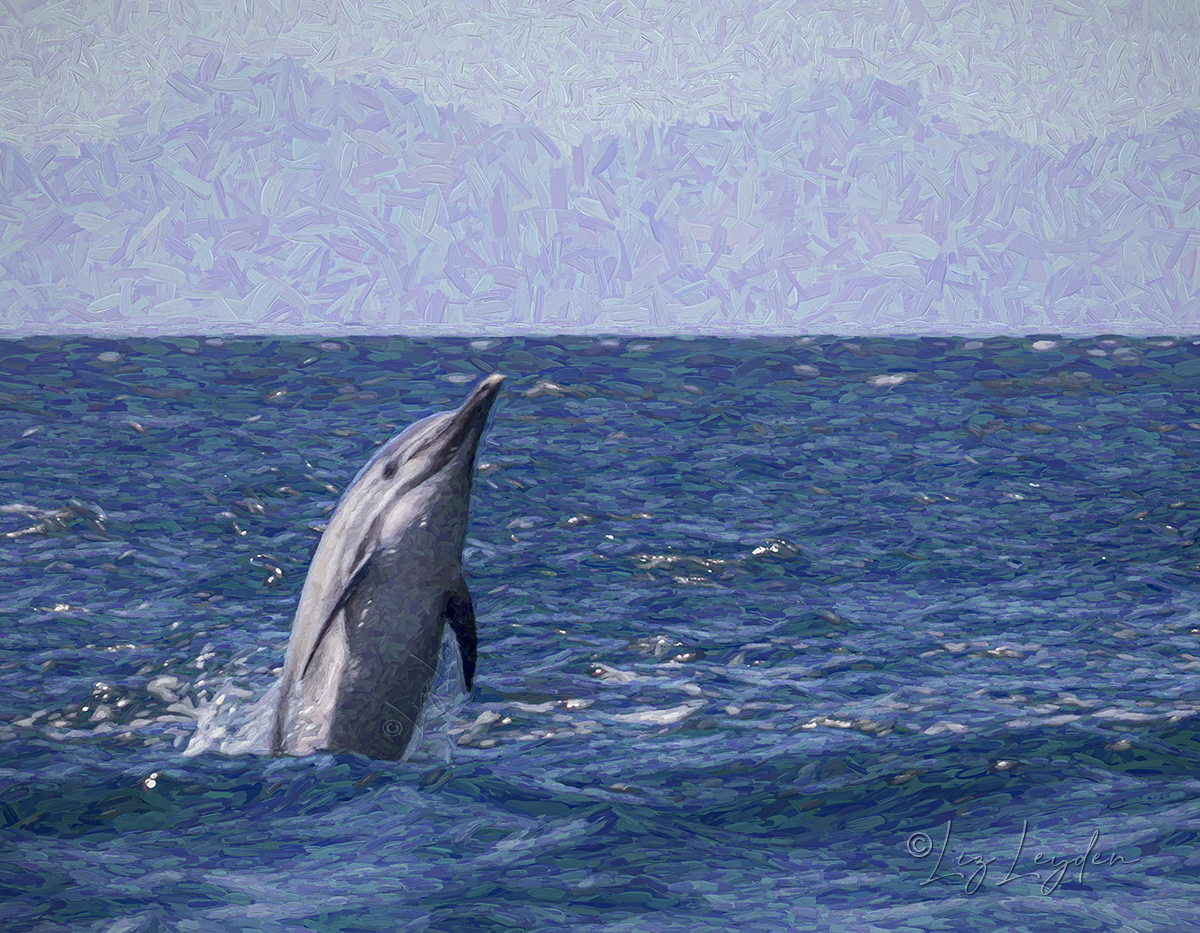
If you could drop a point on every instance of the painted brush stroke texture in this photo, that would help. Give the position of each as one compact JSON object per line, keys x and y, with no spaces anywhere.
{"x":904,"y":168}
{"x":271,"y":200}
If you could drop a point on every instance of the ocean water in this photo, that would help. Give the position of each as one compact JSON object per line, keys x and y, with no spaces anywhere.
{"x":775,"y":634}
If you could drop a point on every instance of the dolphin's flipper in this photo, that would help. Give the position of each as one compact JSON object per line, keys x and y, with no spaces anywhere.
{"x":460,"y":613}
{"x":351,"y":590}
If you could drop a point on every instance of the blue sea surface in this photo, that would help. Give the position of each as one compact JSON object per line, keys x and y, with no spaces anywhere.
{"x":774,"y":634}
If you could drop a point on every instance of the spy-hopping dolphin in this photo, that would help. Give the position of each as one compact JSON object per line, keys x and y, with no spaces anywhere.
{"x":385,"y":579}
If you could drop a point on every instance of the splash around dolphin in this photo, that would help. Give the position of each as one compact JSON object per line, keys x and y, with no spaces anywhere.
{"x":384,"y":582}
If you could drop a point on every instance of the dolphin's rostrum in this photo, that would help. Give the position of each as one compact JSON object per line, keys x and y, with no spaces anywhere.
{"x":385,"y":579}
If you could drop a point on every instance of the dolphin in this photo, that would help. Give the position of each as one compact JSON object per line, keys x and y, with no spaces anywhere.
{"x":384,"y":581}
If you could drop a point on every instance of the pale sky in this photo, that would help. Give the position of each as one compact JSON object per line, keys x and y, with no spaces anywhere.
{"x":69,"y":71}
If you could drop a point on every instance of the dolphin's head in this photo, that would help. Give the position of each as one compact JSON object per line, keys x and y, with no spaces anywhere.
{"x":430,"y":460}
{"x":443,"y":441}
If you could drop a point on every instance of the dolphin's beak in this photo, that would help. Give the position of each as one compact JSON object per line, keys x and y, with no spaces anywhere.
{"x":467,"y":424}
{"x":484,"y":393}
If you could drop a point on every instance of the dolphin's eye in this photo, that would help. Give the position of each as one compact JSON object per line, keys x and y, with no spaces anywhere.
{"x":389,"y":469}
